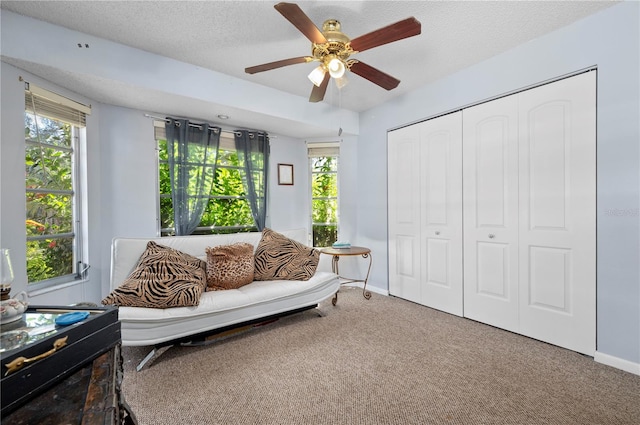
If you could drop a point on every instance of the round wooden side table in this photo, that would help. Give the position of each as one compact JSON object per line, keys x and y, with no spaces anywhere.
{"x":341,"y":252}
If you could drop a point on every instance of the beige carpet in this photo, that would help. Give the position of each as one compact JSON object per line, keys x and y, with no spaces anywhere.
{"x":381,"y":361}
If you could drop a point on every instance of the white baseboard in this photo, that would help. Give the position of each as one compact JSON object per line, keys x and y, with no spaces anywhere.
{"x":617,"y":362}
{"x":369,"y":288}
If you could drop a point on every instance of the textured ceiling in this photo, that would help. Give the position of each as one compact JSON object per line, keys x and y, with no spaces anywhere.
{"x":227,"y":36}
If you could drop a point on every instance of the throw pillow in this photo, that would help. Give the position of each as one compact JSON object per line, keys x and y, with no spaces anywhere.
{"x":229,"y":266}
{"x":164,"y":277}
{"x":278,"y":257}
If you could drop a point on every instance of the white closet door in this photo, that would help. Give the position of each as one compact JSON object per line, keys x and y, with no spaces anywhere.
{"x":441,"y":212}
{"x":491,"y":212}
{"x":404,"y":212}
{"x":557,"y":213}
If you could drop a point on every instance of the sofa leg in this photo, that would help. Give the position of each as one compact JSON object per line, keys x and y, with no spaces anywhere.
{"x":153,"y":354}
{"x":334,"y":301}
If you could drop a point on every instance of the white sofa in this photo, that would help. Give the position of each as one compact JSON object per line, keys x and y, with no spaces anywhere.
{"x":217,"y":309}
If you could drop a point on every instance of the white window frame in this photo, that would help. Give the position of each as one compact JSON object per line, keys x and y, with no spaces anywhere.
{"x":59,"y":108}
{"x":316,"y":150}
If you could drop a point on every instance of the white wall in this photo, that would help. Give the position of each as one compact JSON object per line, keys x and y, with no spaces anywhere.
{"x":288,"y":205}
{"x":609,"y":40}
{"x":12,"y":199}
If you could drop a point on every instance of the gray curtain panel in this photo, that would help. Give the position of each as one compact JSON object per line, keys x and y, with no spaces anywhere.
{"x":253,"y":152}
{"x":192,"y":153}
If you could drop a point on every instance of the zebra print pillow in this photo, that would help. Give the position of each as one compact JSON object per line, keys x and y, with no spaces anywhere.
{"x":278,"y":257}
{"x":164,"y":277}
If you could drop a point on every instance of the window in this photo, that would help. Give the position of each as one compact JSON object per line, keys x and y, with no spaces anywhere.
{"x":54,"y":130}
{"x":323,"y":162}
{"x":228,"y":209}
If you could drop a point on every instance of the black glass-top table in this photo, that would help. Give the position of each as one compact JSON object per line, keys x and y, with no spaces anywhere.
{"x":36,"y":353}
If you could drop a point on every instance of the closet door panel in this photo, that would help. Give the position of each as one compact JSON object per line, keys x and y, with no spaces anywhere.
{"x":441,"y":220}
{"x":404,"y":213}
{"x":548,"y":283}
{"x":490,"y":193}
{"x":557,"y":213}
{"x":493,"y":270}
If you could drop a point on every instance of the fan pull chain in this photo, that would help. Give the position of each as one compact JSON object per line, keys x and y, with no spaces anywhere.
{"x":340,"y":112}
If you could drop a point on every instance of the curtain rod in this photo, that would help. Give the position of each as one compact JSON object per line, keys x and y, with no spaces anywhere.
{"x":197,"y":126}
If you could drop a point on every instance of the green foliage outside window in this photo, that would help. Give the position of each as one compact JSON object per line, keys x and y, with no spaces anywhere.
{"x":228,"y":210}
{"x":49,"y":198}
{"x":324,"y":192}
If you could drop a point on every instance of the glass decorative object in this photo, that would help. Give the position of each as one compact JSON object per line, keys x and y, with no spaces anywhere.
{"x":11,"y":309}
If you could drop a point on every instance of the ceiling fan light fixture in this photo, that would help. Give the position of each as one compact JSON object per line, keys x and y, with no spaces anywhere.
{"x":336,"y":68}
{"x":341,"y":82}
{"x":317,"y":75}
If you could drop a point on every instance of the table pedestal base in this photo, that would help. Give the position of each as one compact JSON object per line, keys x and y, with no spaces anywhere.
{"x":356,"y":250}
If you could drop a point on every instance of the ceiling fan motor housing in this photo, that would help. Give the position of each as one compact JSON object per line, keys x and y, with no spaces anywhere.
{"x":337,"y":45}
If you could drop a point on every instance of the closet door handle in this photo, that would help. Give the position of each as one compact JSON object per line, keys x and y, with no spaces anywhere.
{"x":491,"y":236}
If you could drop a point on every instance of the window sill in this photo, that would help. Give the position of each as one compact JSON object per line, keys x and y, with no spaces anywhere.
{"x":48,"y":289}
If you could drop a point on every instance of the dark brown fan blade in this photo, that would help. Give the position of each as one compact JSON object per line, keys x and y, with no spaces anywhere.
{"x":297,"y":17}
{"x":394,"y":32}
{"x":277,"y":64}
{"x":317,"y":94}
{"x":378,"y":77}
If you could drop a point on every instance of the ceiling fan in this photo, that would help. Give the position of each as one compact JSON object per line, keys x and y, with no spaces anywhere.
{"x":333,"y":49}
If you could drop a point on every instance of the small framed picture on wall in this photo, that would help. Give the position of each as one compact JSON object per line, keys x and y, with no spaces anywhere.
{"x":285,"y":174}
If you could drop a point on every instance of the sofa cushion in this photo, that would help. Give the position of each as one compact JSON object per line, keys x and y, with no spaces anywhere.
{"x":229,"y":266}
{"x":278,"y":257}
{"x":164,"y":277}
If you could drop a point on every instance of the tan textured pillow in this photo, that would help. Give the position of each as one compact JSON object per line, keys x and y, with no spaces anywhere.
{"x":278,"y":257}
{"x":229,"y":266}
{"x":164,"y":277}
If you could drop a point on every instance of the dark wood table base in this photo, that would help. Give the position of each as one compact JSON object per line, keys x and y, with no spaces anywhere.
{"x":90,"y":396}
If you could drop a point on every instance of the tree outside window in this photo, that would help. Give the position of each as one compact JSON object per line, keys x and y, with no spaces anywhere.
{"x":228,"y":209}
{"x":324,"y":200}
{"x":49,"y":171}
